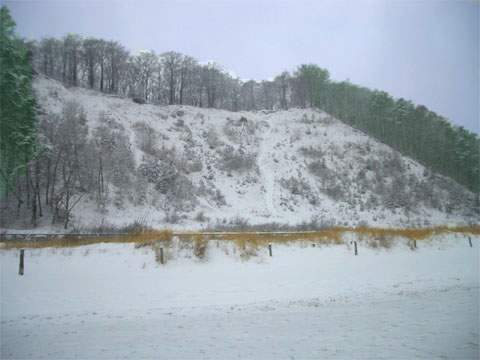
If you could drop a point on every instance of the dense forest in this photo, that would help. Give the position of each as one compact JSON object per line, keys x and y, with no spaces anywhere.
{"x":174,"y":78}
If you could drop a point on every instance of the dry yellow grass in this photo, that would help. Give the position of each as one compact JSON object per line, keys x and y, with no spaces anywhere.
{"x":200,"y":246}
{"x":335,"y":235}
{"x":144,"y":238}
{"x":375,"y":237}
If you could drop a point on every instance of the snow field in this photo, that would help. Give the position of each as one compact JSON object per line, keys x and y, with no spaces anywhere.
{"x":115,"y":301}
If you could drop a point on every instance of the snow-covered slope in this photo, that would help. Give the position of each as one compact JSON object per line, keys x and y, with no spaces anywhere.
{"x":287,"y":167}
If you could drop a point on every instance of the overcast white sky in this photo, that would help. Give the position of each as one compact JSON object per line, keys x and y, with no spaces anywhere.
{"x":425,"y":51}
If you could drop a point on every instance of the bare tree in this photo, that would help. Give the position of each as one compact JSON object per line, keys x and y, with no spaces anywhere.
{"x":171,"y":62}
{"x":282,"y":83}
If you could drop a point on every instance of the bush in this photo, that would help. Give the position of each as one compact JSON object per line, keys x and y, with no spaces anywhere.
{"x":212,"y":138}
{"x":160,"y":173}
{"x":200,"y":217}
{"x":312,"y":152}
{"x":320,"y":169}
{"x":138,"y":100}
{"x":182,"y":193}
{"x":110,"y":140}
{"x":236,"y":130}
{"x":172,"y":217}
{"x":299,"y":187}
{"x":200,"y":245}
{"x":219,"y":198}
{"x":192,"y":166}
{"x":210,"y":190}
{"x":397,"y":196}
{"x":306,"y":120}
{"x":335,"y":191}
{"x":146,"y":137}
{"x":236,"y":160}
{"x":393,"y":164}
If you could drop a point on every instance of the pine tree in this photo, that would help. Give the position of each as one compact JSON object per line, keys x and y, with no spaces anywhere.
{"x":17,"y":104}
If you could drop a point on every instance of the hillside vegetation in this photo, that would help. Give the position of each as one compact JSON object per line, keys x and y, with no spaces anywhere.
{"x":110,"y":161}
{"x":174,"y":78}
{"x":163,"y":139}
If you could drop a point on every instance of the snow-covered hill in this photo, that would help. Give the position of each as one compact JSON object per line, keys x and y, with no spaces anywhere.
{"x":195,"y":166}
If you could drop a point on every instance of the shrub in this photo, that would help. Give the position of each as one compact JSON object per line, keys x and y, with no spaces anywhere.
{"x":237,"y":129}
{"x":110,"y":140}
{"x":160,"y":173}
{"x":248,"y":251}
{"x":210,"y":190}
{"x":335,"y":191}
{"x":236,"y":160}
{"x":146,"y":137}
{"x":200,"y":245}
{"x":138,"y":100}
{"x":397,"y":196}
{"x":200,"y":217}
{"x":193,"y":166}
{"x":182,"y":193}
{"x":312,"y":152}
{"x":299,"y":187}
{"x":393,"y":164}
{"x":172,"y":217}
{"x":320,"y":169}
{"x":219,"y":198}
{"x":306,"y":120}
{"x":212,"y":138}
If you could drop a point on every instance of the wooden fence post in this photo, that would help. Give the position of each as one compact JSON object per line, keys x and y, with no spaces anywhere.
{"x":20,"y":269}
{"x":470,"y":241}
{"x":355,"y":245}
{"x":270,"y":249}
{"x":414,"y":244}
{"x":158,"y":253}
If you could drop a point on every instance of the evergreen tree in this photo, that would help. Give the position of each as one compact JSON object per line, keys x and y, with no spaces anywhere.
{"x":17,"y":104}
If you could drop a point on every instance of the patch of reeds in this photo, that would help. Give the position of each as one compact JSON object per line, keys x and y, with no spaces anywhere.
{"x":142,"y":238}
{"x":372,"y":236}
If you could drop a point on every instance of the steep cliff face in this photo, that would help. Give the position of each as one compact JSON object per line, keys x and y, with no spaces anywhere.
{"x":188,"y":167}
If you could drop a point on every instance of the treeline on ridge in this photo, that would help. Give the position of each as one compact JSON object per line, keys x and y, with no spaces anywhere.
{"x":174,"y":78}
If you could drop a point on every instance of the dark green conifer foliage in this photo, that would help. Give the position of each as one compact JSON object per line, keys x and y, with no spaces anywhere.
{"x":17,"y":104}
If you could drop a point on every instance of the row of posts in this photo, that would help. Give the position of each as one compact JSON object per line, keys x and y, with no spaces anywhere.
{"x":355,"y":246}
{"x":160,"y":257}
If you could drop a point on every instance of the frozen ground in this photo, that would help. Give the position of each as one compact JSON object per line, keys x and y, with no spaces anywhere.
{"x":114,"y":301}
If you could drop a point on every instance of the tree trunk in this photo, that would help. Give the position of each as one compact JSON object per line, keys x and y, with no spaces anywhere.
{"x":74,"y":68}
{"x":182,"y":85}
{"x":67,"y":212}
{"x":33,"y":203}
{"x":37,"y":187}
{"x":101,"y":75}
{"x":172,"y":88}
{"x":91,"y":73}
{"x":47,"y":185}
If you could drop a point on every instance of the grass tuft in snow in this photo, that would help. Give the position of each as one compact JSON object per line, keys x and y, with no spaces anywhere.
{"x":200,"y":244}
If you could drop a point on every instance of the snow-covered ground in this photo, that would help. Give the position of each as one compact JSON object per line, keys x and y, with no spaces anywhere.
{"x":115,"y":301}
